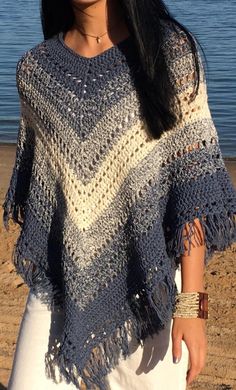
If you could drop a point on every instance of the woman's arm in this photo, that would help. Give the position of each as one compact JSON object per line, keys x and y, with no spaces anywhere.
{"x":192,"y":266}
{"x":192,"y":330}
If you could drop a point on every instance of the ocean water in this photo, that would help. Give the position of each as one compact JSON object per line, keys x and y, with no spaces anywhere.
{"x":212,"y":22}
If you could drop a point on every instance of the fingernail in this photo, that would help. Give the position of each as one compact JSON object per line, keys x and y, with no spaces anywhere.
{"x":176,"y":359}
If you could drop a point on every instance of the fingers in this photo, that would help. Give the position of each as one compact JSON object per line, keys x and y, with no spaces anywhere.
{"x":192,"y":332}
{"x":197,"y":357}
{"x":176,"y":347}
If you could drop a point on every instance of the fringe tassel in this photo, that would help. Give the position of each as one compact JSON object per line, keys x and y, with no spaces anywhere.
{"x":102,"y":359}
{"x":29,"y":268}
{"x":161,"y":297}
{"x":219,"y":233}
{"x":150,"y":317}
{"x":12,"y":210}
{"x":35,"y":276}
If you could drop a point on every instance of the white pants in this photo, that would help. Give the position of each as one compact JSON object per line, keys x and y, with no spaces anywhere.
{"x":147,"y":368}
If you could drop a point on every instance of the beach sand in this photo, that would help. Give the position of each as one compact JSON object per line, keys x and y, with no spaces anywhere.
{"x":219,"y":372}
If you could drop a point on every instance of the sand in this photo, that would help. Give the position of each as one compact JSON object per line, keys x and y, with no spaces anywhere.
{"x":219,"y":372}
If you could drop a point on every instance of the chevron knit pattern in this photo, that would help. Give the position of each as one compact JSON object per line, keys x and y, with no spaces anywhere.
{"x":102,"y":205}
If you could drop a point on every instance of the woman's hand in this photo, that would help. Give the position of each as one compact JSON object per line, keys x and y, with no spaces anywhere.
{"x":193,"y":332}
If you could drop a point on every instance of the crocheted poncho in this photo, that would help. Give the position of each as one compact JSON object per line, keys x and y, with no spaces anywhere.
{"x":102,"y":204}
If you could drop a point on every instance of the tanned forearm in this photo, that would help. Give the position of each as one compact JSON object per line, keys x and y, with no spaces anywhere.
{"x":192,"y":266}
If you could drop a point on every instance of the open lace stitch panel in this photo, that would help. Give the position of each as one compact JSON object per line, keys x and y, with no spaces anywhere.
{"x":182,"y":179}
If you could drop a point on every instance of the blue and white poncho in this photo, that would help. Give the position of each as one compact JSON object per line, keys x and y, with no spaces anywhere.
{"x":102,"y":205}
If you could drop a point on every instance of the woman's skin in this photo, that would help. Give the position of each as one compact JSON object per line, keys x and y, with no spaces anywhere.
{"x":95,"y":17}
{"x":192,"y":330}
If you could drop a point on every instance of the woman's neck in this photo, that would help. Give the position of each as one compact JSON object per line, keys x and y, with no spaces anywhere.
{"x":96,"y":18}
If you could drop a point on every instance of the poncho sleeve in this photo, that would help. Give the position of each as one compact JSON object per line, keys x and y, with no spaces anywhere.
{"x":201,"y":189}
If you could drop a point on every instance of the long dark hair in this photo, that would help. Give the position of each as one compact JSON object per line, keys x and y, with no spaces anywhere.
{"x":143,"y":19}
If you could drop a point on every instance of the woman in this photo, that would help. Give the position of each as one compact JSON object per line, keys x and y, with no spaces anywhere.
{"x":122,"y":195}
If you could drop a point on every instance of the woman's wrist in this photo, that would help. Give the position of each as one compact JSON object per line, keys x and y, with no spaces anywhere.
{"x":191,"y":304}
{"x":196,"y":287}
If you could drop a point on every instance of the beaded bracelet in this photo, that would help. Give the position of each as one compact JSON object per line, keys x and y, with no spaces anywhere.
{"x":191,"y":304}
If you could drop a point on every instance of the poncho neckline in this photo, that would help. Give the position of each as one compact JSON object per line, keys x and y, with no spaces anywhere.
{"x":98,"y":57}
{"x":102,"y":205}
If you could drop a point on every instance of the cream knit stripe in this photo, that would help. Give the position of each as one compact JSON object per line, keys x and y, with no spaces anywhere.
{"x":196,"y":110}
{"x":91,"y":141}
{"x":114,"y":169}
{"x":85,"y":195}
